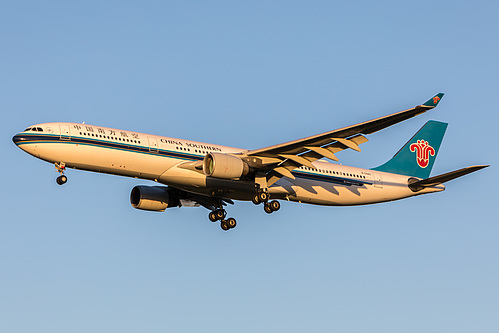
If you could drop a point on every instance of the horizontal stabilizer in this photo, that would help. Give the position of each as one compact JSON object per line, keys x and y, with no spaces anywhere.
{"x":432,"y":181}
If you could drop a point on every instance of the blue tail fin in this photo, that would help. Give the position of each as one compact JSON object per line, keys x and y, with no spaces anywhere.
{"x":417,"y":156}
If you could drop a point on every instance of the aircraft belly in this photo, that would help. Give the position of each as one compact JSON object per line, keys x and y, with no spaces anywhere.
{"x":197,"y":182}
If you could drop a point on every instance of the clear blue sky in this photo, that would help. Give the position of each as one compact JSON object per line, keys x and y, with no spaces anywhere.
{"x":79,"y":258}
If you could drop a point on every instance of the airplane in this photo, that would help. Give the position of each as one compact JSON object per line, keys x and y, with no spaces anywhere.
{"x":194,"y":174}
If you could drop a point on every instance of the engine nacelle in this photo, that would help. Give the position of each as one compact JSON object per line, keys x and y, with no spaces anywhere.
{"x":224,"y":166}
{"x":153,"y":198}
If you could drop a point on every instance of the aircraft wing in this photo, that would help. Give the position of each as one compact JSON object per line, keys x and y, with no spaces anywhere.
{"x":368,"y":127}
{"x":284,"y":157}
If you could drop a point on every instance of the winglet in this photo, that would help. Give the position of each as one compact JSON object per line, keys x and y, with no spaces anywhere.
{"x":433,"y":102}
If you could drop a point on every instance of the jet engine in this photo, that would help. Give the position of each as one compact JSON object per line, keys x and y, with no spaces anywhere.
{"x":153,"y":198}
{"x":224,"y":166}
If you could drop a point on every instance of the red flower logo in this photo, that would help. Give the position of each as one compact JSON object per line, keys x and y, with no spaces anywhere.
{"x":436,"y":99}
{"x":423,"y":151}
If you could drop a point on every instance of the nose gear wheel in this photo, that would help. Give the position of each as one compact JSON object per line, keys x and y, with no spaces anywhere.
{"x":61,"y":167}
{"x":61,"y":180}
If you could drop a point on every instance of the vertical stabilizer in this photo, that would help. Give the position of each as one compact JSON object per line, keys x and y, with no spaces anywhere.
{"x":417,"y":156}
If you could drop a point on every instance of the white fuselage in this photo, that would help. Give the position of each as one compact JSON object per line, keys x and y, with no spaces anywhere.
{"x":158,"y":158}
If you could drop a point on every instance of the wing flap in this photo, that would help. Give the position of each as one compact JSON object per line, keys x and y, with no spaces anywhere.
{"x":299,"y":160}
{"x":324,"y":152}
{"x":284,"y":172}
{"x":348,"y":143}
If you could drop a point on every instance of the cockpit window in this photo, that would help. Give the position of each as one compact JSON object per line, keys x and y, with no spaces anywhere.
{"x":39,"y":129}
{"x":27,"y":129}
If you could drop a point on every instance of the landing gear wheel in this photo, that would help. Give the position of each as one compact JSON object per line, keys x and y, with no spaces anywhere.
{"x":267,"y":208}
{"x":256,"y":199}
{"x":220,"y":213}
{"x":275,"y":205}
{"x":213,"y":217}
{"x":224,"y":225}
{"x":231,"y":222}
{"x":263,"y":197}
{"x":61,"y":180}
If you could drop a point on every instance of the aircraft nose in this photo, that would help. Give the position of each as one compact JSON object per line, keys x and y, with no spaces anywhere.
{"x":18,"y":138}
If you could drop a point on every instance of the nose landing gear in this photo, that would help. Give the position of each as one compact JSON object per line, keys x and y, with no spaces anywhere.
{"x":62,"y":179}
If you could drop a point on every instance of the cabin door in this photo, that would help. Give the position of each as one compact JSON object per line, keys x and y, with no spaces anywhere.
{"x":153,"y":144}
{"x":65,"y":135}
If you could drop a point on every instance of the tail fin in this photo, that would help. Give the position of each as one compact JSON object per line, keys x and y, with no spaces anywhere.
{"x":417,"y":156}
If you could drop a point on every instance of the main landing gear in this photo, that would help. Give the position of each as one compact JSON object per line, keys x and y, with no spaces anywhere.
{"x":220,"y":215}
{"x":268,"y":206}
{"x":272,"y":206}
{"x":62,"y":179}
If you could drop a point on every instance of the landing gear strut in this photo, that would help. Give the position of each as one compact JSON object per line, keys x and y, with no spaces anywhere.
{"x":62,"y":179}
